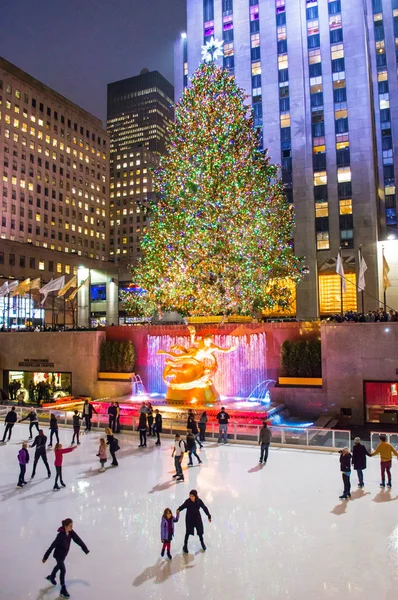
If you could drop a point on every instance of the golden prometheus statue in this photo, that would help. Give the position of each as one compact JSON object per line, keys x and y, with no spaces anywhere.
{"x":189,"y":372}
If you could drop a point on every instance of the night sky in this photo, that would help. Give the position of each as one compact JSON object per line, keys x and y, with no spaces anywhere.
{"x":76,"y":47}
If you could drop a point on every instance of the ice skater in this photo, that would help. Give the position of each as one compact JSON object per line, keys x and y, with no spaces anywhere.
{"x":23,"y":459}
{"x":193,"y":519}
{"x":345,"y":468}
{"x":359,"y":454}
{"x":53,"y":429}
{"x":102,"y":454}
{"x":112,"y":411}
{"x":158,"y":427}
{"x":264,"y":441}
{"x":61,"y":546}
{"x":167,"y":531}
{"x":178,"y":455}
{"x":76,"y":427}
{"x":40,"y":452}
{"x":386,"y":451}
{"x":193,"y":426}
{"x":33,"y":421}
{"x":191,"y":447}
{"x":222,"y":418}
{"x":59,"y":456}
{"x":150,"y":420}
{"x":113,"y":446}
{"x":202,"y":426}
{"x":9,"y":422}
{"x":88,"y":410}
{"x":142,"y":425}
{"x":117,"y":417}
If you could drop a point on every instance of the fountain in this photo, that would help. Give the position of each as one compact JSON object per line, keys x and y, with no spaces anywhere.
{"x":239,"y":372}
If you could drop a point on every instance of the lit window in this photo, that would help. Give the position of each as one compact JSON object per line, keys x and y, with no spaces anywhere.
{"x":41,"y":265}
{"x":322,"y":240}
{"x":228,"y":50}
{"x":16,"y":123}
{"x":256,"y":68}
{"x":320,"y":178}
{"x":342,"y":145}
{"x":321,"y":209}
{"x":319,"y":149}
{"x":337,"y":51}
{"x":314,"y":56}
{"x":335,"y":22}
{"x":38,"y":217}
{"x":384,"y":104}
{"x":330,"y":293}
{"x":285,"y":120}
{"x":343,"y":174}
{"x":281,"y":32}
{"x":255,"y":41}
{"x":346,"y":207}
{"x":313,"y":27}
{"x":67,"y":269}
{"x":59,"y":267}
{"x":282,"y":62}
{"x":341,"y":114}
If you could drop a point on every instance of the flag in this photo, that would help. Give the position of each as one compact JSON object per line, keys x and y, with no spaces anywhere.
{"x":340,"y":271}
{"x":52,"y":286}
{"x":21,"y":289}
{"x":35,"y":284}
{"x":361,"y":276}
{"x":386,"y":270}
{"x":4,"y":289}
{"x":71,"y":284}
{"x":73,"y":294}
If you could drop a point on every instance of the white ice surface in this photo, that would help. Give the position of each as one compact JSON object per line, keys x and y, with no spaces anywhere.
{"x":279,"y":532}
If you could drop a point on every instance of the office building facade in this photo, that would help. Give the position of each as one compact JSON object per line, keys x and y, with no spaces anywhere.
{"x":140,"y":109}
{"x":322,"y":79}
{"x":54,"y":170}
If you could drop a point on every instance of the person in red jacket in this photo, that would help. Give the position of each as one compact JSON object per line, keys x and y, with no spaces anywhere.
{"x":59,"y":455}
{"x":61,"y":546}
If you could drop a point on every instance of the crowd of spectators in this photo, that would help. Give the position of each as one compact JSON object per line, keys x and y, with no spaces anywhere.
{"x":372,"y":316}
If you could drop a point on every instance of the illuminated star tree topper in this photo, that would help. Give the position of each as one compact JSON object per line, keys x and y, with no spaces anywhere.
{"x":212,"y":50}
{"x":219,"y":238}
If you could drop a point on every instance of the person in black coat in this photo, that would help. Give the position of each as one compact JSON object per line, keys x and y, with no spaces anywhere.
{"x":113,"y":446}
{"x":112,"y":411}
{"x":61,"y":546}
{"x":9,"y":422}
{"x":53,"y":429}
{"x":142,"y":430}
{"x":40,"y":452}
{"x":193,"y":519}
{"x":193,"y":426}
{"x":33,"y":421}
{"x":150,"y":419}
{"x":88,"y":410}
{"x":158,"y":426}
{"x":359,"y":454}
{"x":345,"y":468}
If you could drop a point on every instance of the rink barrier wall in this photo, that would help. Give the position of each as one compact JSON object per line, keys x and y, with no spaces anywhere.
{"x":284,"y":436}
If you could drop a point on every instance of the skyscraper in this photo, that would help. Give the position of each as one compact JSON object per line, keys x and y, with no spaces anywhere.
{"x":139,"y":111}
{"x":322,"y":79}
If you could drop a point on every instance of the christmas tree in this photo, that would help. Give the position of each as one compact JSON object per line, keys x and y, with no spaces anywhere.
{"x":219,"y":240}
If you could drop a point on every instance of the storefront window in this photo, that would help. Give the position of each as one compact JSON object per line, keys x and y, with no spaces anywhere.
{"x":37,"y":387}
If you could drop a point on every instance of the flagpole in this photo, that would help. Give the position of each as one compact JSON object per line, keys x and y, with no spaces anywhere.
{"x":384,"y":284}
{"x":362,"y":295}
{"x":341,"y":290}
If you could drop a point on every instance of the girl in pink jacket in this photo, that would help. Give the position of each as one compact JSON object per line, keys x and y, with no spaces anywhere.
{"x":59,"y":455}
{"x":102,"y":454}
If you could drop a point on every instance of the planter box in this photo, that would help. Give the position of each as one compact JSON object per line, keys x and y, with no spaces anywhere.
{"x":300,"y":381}
{"x":115,"y":376}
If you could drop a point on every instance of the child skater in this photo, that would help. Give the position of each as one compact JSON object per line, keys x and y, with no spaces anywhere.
{"x":345,"y":468}
{"x":61,"y":546}
{"x":23,"y":459}
{"x":59,"y":455}
{"x":102,"y":454}
{"x":167,"y":531}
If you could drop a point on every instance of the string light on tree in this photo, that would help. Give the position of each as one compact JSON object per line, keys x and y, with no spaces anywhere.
{"x":219,"y":239}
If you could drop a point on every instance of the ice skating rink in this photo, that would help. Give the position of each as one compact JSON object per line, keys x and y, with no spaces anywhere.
{"x":278,"y":532}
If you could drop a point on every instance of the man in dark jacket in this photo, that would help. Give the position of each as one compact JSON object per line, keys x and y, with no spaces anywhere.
{"x":61,"y":546}
{"x":193,"y":519}
{"x":359,"y":454}
{"x":112,"y":410}
{"x":158,"y":427}
{"x":10,"y":420}
{"x":223,"y":418}
{"x":264,"y":441}
{"x":40,"y":452}
{"x":33,"y":421}
{"x":88,"y":410}
{"x":76,"y":427}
